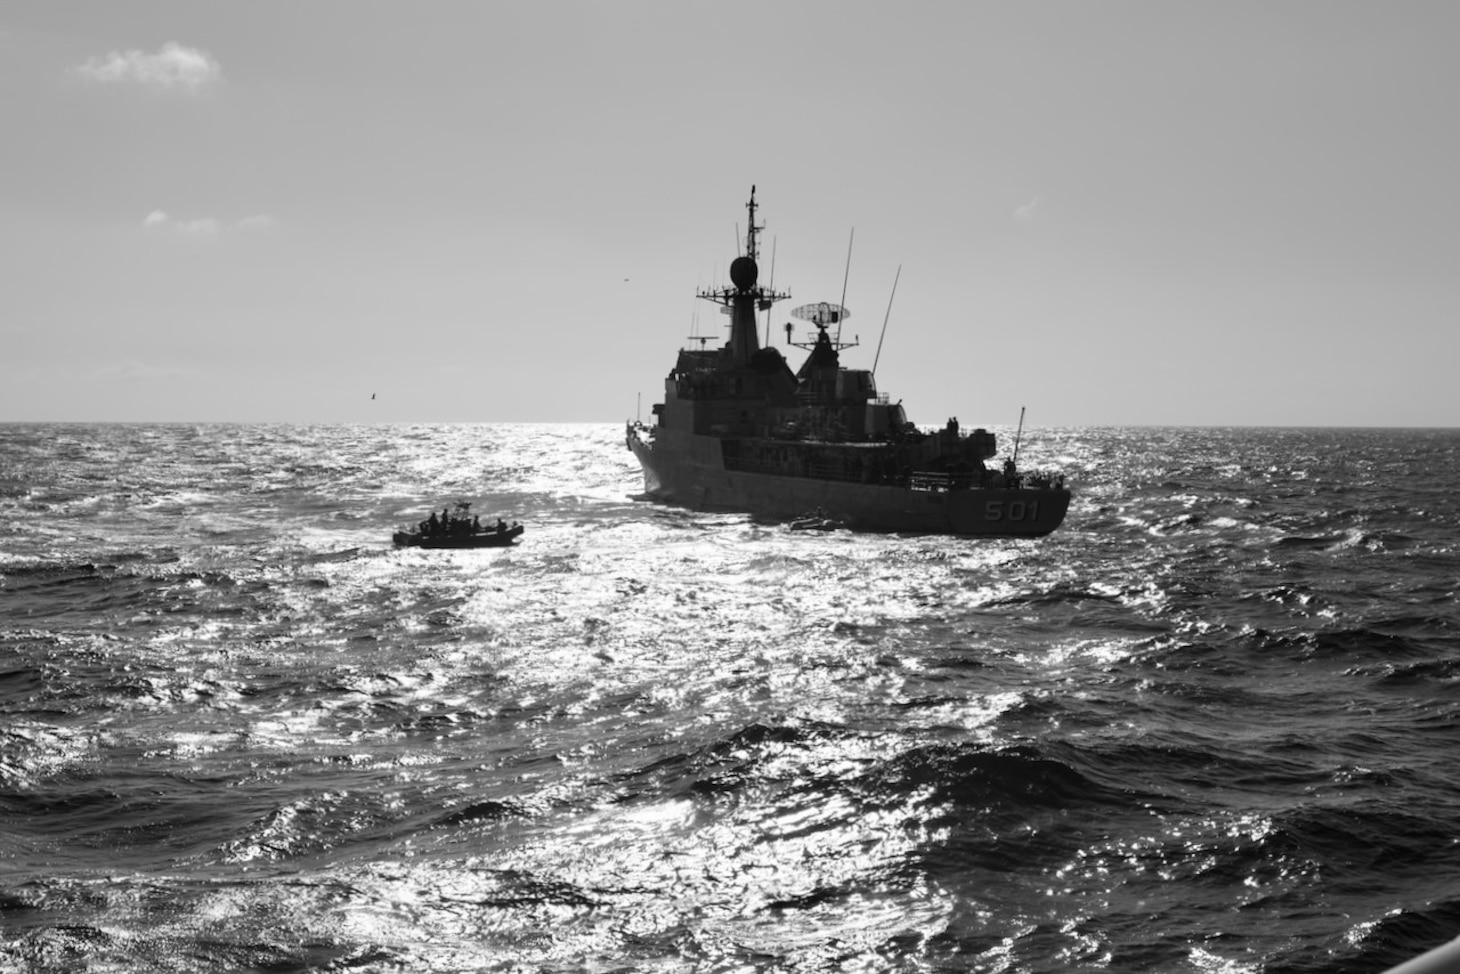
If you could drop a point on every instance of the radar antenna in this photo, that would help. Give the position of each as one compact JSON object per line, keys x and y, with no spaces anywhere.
{"x":822,"y":314}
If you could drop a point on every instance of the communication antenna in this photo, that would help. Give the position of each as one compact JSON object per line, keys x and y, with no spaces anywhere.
{"x":1017,"y":433}
{"x":878,"y":356}
{"x":772,"y":285}
{"x":845,"y":278}
{"x":694,"y":329}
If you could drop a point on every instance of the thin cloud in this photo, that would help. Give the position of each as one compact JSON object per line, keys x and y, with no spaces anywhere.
{"x":203,"y":226}
{"x":174,"y":67}
{"x":1028,"y":210}
{"x":159,"y":220}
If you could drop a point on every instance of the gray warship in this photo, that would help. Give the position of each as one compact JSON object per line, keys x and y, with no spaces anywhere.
{"x":738,"y":430}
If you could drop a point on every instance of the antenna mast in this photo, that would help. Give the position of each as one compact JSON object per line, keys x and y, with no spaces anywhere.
{"x":878,"y":356}
{"x":772,"y":285}
{"x":845,"y":278}
{"x":752,"y":230}
{"x":1017,"y":433}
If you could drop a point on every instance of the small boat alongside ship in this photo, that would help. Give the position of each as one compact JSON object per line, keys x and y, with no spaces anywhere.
{"x":478,"y":539}
{"x":738,"y":430}
{"x":458,"y":530}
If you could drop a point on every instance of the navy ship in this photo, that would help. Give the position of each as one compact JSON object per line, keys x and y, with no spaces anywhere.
{"x":738,"y":430}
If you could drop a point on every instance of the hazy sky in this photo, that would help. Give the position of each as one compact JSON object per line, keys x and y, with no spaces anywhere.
{"x":1109,"y":212}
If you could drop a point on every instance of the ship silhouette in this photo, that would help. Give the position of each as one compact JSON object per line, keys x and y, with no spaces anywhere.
{"x":738,"y":430}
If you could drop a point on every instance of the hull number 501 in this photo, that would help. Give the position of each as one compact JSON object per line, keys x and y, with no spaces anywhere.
{"x":1011,"y":511}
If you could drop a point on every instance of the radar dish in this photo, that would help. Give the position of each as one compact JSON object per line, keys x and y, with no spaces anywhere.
{"x":822,"y":313}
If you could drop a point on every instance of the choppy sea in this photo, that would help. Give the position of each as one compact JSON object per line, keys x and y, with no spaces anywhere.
{"x":1210,"y":725}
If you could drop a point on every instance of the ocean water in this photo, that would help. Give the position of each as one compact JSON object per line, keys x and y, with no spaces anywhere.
{"x":1211,"y":725}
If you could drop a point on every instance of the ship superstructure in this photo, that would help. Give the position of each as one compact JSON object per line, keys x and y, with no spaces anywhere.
{"x":738,"y":430}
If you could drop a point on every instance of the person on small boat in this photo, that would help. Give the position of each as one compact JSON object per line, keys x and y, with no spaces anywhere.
{"x":501,"y":525}
{"x":430,"y":526}
{"x":476,"y":524}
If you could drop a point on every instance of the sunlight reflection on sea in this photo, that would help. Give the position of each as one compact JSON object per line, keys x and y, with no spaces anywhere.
{"x":1207,"y":725}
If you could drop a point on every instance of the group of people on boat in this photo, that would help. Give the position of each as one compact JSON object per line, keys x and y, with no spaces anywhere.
{"x":450,"y":525}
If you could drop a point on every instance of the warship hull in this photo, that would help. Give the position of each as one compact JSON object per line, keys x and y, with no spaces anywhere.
{"x":688,"y":470}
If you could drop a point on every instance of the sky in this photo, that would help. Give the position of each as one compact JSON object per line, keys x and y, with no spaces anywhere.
{"x":1106,"y":212}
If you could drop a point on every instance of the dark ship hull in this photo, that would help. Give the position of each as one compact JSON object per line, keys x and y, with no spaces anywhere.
{"x":689,"y":471}
{"x":739,"y":431}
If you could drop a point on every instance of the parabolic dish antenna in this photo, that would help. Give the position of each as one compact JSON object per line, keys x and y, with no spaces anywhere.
{"x":821,"y":313}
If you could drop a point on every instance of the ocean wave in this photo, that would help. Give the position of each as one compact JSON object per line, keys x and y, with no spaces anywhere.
{"x":1206,"y":725}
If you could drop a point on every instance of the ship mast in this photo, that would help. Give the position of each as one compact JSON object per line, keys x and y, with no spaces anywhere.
{"x":745,"y":297}
{"x":751,"y":230}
